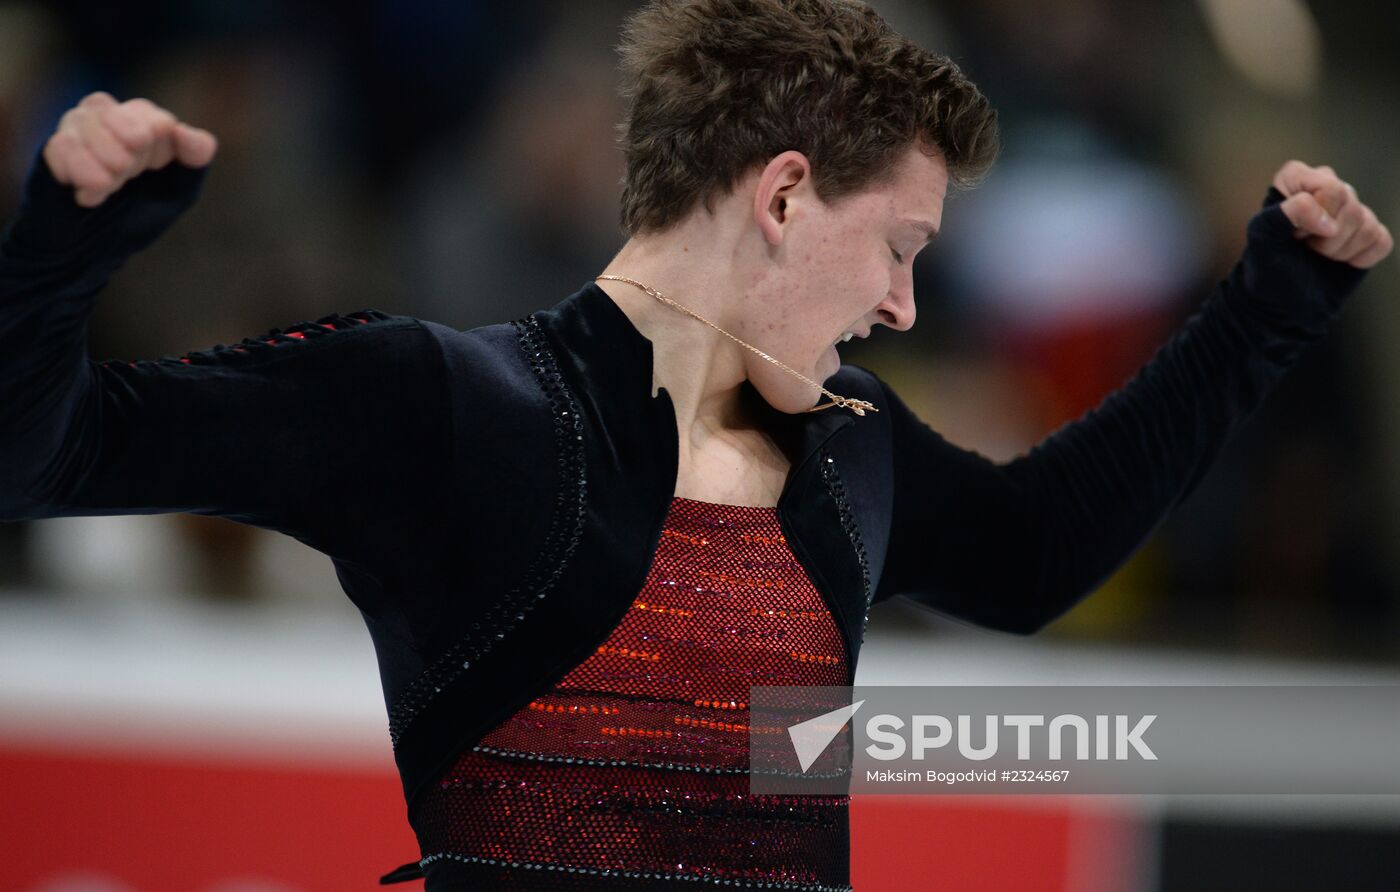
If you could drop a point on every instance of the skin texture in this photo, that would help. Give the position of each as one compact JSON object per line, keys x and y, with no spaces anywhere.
{"x":770,"y":262}
{"x":782,"y":270}
{"x":1330,"y":216}
{"x":101,"y":143}
{"x":786,"y":272}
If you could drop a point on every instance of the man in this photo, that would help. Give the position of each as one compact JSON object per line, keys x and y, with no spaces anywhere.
{"x":493,"y":499}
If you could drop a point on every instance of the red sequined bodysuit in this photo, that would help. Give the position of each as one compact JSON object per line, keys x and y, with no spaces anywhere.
{"x":574,"y":792}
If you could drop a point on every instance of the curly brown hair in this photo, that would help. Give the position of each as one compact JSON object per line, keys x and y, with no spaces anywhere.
{"x":715,"y":87}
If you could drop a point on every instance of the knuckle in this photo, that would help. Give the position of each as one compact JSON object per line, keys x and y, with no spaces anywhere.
{"x":147,"y":110}
{"x":144,"y":131}
{"x":109,"y":114}
{"x":160,"y":125}
{"x":128,"y":135}
{"x":129,"y":129}
{"x":122,"y":160}
{"x":64,"y":140}
{"x":144,"y":106}
{"x":122,"y":113}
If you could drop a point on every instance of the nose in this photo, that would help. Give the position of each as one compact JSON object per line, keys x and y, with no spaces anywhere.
{"x":897,"y":309}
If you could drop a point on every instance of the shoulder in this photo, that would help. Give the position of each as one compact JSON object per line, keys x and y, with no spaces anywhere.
{"x":366,"y":338}
{"x":489,"y":359}
{"x":873,"y":430}
{"x":368,"y":346}
{"x":896,"y":415}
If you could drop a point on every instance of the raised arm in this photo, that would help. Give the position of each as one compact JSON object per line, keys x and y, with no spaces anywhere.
{"x":331,"y":431}
{"x":1013,"y":546}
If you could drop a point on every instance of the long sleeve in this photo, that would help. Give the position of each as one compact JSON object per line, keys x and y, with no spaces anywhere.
{"x":327,"y":431}
{"x":1013,"y":546}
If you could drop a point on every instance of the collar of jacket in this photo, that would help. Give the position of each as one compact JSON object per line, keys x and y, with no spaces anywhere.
{"x":612,"y":469}
{"x":617,"y":360}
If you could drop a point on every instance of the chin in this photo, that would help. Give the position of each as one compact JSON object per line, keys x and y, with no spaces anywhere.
{"x":791,"y":398}
{"x":834,"y":361}
{"x":786,"y":393}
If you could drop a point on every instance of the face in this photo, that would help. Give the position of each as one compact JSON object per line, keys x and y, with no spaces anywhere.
{"x":835,"y":268}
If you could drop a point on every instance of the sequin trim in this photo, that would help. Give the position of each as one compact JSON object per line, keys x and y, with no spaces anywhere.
{"x":540,"y":578}
{"x":848,"y":521}
{"x":665,"y":766}
{"x":301,"y":331}
{"x":637,"y":874}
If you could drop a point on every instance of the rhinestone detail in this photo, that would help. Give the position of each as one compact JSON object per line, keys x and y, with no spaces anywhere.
{"x":664,"y":766}
{"x":639,"y":759}
{"x":636,"y":874}
{"x":549,"y":564}
{"x":837,"y":488}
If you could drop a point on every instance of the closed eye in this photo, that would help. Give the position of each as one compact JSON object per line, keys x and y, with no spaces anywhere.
{"x":897,"y":257}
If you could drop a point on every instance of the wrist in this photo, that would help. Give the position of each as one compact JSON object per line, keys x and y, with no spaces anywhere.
{"x":50,"y":224}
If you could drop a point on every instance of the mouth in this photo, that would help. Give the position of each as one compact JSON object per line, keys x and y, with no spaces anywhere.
{"x":847,"y":335}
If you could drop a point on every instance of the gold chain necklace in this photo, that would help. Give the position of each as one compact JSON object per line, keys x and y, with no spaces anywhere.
{"x":857,"y":406}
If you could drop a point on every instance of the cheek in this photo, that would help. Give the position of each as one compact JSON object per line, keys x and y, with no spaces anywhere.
{"x":839,"y":293}
{"x":844,"y":279}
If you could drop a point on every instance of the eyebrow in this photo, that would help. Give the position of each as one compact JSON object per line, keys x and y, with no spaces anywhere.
{"x":928,"y":229}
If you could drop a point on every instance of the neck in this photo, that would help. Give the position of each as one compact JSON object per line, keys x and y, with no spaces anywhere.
{"x":701,"y":369}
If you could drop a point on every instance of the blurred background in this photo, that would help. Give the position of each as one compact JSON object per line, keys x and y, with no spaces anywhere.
{"x":186,"y":703}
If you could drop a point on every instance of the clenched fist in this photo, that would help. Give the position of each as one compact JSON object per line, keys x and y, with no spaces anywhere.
{"x":101,"y":143}
{"x":1327,"y":212}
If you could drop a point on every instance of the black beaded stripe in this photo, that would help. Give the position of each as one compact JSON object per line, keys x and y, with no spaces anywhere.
{"x":275,"y":338}
{"x":733,"y":883}
{"x":848,"y":521}
{"x":666,"y":766}
{"x":540,"y":577}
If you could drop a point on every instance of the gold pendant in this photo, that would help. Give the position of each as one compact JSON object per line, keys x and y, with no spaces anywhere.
{"x":855,"y":405}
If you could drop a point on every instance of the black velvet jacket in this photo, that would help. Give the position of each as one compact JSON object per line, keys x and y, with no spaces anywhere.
{"x":491,"y":499}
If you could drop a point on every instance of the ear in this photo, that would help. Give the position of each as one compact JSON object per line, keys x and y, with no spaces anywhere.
{"x":776,"y":184}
